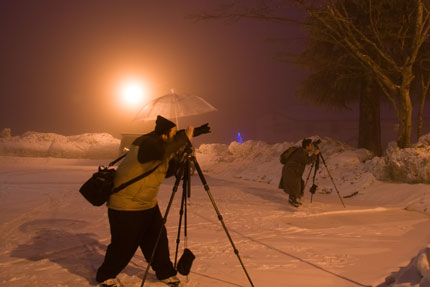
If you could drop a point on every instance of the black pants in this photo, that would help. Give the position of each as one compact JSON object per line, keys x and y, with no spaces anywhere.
{"x":132,"y":229}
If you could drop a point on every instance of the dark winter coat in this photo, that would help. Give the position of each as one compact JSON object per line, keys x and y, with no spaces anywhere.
{"x":291,"y":179}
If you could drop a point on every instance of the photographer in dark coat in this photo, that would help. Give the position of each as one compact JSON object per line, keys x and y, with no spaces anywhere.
{"x":292,"y":171}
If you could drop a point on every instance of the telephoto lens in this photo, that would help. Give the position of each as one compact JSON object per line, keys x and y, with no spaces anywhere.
{"x":203,"y":129}
{"x":316,"y":142}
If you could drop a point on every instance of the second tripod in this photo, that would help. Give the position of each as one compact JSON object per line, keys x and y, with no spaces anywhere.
{"x":315,"y":166}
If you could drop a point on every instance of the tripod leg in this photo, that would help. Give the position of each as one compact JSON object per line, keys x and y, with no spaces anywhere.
{"x":307,"y":179}
{"x":206,"y":186}
{"x":186,"y":196}
{"x":188,"y":177}
{"x":331,"y":178}
{"x":314,"y":187}
{"x":175,"y":189}
{"x":186,"y":186}
{"x":181,"y":213}
{"x":309,"y":175}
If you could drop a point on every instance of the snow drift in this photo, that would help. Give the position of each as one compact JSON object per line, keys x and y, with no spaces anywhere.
{"x":251,"y":160}
{"x":417,"y":271}
{"x":34,"y":144}
{"x":411,"y":165}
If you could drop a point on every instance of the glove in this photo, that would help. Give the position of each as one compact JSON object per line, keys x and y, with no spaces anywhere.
{"x":203,"y":129}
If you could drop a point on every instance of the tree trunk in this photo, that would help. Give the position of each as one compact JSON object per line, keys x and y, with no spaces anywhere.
{"x":405,"y":119}
{"x":369,"y":130}
{"x":420,"y":118}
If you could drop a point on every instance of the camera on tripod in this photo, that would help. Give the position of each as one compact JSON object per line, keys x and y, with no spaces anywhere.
{"x":203,"y":129}
{"x":316,"y":143}
{"x":188,"y":149}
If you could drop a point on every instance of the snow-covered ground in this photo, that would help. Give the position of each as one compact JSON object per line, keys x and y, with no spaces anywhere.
{"x":50,"y":236}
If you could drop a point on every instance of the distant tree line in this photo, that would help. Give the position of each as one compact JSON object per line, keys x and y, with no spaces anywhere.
{"x":361,"y":51}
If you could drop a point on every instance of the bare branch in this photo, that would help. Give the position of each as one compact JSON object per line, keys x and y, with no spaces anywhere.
{"x":372,"y":23}
{"x":348,"y":25}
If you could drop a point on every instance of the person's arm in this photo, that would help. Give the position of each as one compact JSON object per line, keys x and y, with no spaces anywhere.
{"x":173,"y":165}
{"x":179,"y":141}
{"x":181,"y":138}
{"x":150,"y":149}
{"x":313,"y":157}
{"x":175,"y":148}
{"x":154,"y":148}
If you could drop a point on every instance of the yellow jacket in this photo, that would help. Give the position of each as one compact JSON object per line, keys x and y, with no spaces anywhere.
{"x":145,"y":153}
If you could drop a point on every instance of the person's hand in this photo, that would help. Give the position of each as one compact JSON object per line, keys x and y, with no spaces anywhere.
{"x":189,"y":132}
{"x":317,"y":152}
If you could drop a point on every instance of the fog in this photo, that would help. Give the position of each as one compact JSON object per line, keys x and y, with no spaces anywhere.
{"x":62,"y":61}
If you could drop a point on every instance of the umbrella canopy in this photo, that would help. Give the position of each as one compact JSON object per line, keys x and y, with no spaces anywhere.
{"x":174,"y":106}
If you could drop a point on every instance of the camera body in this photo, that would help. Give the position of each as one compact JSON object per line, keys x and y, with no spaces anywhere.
{"x":316,"y":143}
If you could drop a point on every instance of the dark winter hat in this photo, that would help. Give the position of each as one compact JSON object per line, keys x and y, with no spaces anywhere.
{"x":163,"y":125}
{"x":306,"y":142}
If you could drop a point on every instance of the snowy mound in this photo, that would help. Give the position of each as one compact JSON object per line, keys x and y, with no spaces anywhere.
{"x":350,"y":168}
{"x":34,"y":144}
{"x":410,"y":165}
{"x":259,"y":161}
{"x":417,"y":271}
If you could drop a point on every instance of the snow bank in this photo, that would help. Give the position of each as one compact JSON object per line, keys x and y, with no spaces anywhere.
{"x":251,"y":160}
{"x":351,"y":168}
{"x":409,"y":165}
{"x":418,"y":271}
{"x":259,"y":161}
{"x":34,"y":144}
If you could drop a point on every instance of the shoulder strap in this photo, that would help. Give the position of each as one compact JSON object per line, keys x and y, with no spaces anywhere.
{"x":133,"y":180}
{"x":117,"y":160}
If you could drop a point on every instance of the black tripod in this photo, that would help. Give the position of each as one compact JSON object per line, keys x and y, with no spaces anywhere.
{"x":184,"y":173}
{"x":315,"y":165}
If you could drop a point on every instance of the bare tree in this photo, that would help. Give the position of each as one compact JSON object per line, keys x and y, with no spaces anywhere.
{"x":337,"y":80}
{"x":385,"y":46}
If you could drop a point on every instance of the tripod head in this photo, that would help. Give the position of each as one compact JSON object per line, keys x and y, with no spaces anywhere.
{"x":188,"y":149}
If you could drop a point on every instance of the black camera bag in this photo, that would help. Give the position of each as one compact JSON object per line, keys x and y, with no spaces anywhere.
{"x":99,"y":186}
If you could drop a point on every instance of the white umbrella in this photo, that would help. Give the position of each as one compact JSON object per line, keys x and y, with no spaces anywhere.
{"x":174,"y":106}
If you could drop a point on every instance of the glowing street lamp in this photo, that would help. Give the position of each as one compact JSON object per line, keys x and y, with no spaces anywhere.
{"x":132,"y":93}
